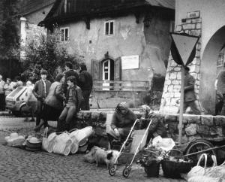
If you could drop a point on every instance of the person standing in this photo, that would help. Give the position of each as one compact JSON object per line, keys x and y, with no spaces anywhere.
{"x":54,"y":102}
{"x":72,"y":106}
{"x":40,"y":91}
{"x":220,"y":93}
{"x":69,"y":72}
{"x":31,"y":100}
{"x":86,"y":84}
{"x":8,"y":87}
{"x":189,"y":92}
{"x":2,"y":94}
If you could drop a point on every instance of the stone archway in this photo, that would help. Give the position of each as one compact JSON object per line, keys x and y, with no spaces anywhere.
{"x":208,"y":70}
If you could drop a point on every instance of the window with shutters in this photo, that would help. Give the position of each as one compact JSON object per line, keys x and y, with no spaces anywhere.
{"x":64,"y":32}
{"x":109,"y":27}
{"x":106,"y":70}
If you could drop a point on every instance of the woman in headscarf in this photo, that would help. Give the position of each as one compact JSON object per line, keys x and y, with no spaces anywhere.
{"x":156,"y":128}
{"x":122,"y":121}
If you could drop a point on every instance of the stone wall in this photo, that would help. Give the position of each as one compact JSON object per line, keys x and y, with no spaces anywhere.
{"x":194,"y":126}
{"x":171,"y":93}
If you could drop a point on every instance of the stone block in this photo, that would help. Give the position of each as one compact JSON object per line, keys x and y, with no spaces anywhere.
{"x":171,"y":118}
{"x":102,"y":117}
{"x":219,"y":120}
{"x":173,"y":127}
{"x":191,"y":129}
{"x":207,"y":120}
{"x":223,"y":130}
{"x":178,"y":28}
{"x":213,"y":131}
{"x":199,"y":26}
{"x":203,"y":129}
{"x":220,"y":131}
{"x":79,"y":115}
{"x":192,"y":118}
{"x":95,"y":116}
{"x":191,"y":138}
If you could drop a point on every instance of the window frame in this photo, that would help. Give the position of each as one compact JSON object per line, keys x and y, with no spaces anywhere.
{"x":64,"y":36}
{"x":113,"y":29}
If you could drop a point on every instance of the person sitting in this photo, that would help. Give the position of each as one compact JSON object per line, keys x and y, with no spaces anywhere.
{"x":121,"y":123}
{"x":156,"y":128}
{"x":73,"y":102}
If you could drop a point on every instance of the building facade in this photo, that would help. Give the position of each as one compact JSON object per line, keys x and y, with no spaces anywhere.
{"x":201,"y":18}
{"x":125,"y":44}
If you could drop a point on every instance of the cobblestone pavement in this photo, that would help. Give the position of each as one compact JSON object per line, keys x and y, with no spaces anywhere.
{"x":18,"y":165}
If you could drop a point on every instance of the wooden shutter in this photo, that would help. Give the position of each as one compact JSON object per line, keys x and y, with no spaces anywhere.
{"x":117,"y":69}
{"x":95,"y":69}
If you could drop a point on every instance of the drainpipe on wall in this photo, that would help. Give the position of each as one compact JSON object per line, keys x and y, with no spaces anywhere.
{"x":23,"y":36}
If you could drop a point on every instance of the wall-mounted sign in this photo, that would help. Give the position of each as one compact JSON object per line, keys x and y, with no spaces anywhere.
{"x":130,"y":62}
{"x":193,"y":14}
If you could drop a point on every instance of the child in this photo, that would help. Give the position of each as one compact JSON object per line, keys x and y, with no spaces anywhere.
{"x":73,"y":100}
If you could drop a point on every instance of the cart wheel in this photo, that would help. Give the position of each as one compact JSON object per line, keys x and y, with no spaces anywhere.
{"x":126,"y":171}
{"x":112,"y":170}
{"x":198,"y":146}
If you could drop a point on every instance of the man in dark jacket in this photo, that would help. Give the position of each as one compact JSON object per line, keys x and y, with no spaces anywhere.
{"x":69,"y":72}
{"x":86,"y":84}
{"x":40,"y":91}
{"x":189,"y":92}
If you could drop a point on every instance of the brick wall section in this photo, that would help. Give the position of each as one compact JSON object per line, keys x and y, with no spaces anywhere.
{"x":194,"y":126}
{"x":171,"y":93}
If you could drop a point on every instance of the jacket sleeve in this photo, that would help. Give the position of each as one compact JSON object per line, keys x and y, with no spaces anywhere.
{"x":35,"y":89}
{"x":59,"y":92}
{"x":113,"y":121}
{"x":79,"y":98}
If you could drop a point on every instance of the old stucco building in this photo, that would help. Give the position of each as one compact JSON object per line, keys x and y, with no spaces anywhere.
{"x":202,"y":18}
{"x":124,"y":43}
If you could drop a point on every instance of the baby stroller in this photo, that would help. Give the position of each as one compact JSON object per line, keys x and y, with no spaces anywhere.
{"x":128,"y":167}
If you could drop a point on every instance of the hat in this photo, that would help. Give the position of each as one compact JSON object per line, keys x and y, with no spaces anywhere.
{"x":44,"y":72}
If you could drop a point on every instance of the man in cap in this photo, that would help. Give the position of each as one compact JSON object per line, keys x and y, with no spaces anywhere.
{"x":40,"y":91}
{"x":189,"y":92}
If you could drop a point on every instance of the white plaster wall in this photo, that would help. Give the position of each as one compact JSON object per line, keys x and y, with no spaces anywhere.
{"x":211,"y":11}
{"x":129,"y":39}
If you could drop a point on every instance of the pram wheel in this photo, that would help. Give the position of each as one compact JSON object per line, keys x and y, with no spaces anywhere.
{"x":112,"y":170}
{"x":126,"y":171}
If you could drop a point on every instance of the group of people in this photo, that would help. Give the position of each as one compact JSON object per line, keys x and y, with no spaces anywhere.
{"x":62,"y":99}
{"x":124,"y":118}
{"x":6,"y":87}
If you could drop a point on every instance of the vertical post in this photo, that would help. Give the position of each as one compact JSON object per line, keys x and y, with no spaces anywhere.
{"x":181,"y":105}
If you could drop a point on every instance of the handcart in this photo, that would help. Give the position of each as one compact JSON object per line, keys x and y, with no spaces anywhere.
{"x":128,"y":167}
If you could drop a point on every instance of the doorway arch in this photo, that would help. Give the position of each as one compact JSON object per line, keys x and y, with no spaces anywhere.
{"x":208,"y":70}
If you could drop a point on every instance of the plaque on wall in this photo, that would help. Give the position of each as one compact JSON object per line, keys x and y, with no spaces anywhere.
{"x":130,"y":62}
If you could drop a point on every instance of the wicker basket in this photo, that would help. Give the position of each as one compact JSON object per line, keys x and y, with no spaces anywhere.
{"x":152,"y":170}
{"x":173,"y":169}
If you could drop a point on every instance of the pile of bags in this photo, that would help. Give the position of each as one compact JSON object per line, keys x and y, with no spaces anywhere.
{"x":66,"y":143}
{"x":207,"y":174}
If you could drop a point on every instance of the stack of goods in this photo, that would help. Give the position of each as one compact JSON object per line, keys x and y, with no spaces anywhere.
{"x":66,"y":143}
{"x":15,"y":140}
{"x":33,"y":144}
